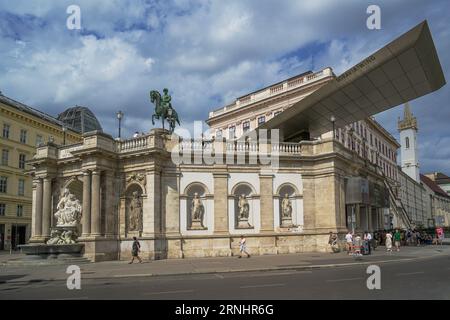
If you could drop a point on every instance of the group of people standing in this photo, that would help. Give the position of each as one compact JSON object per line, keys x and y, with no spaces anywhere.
{"x":391,"y":239}
{"x":357,"y":244}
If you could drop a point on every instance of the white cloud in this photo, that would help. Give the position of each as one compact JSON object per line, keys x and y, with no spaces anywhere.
{"x":206,"y":52}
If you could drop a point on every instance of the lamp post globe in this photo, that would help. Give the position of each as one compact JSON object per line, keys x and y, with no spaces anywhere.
{"x":119,"y":115}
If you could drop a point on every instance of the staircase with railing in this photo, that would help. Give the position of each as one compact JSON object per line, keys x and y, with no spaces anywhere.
{"x":395,"y":203}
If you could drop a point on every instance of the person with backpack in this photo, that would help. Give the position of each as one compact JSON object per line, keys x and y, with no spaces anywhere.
{"x":135,"y":249}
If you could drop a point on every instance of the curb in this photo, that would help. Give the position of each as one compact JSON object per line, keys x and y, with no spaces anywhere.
{"x":299,"y":268}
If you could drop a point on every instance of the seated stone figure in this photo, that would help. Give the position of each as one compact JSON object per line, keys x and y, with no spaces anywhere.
{"x":69,"y":210}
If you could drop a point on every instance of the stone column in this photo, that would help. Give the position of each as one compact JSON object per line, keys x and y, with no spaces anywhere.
{"x":86,"y":223}
{"x":152,"y":214}
{"x":110,"y":205}
{"x":47,"y":207}
{"x":309,"y":202}
{"x":221,"y":203}
{"x":96,"y":219}
{"x":36,"y":230}
{"x":171,"y":204}
{"x":266,"y":202}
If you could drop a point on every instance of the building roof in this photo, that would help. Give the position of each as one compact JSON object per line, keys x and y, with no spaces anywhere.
{"x":29,"y":110}
{"x":80,"y":119}
{"x":403,"y":70}
{"x":433,"y":186}
{"x":438,"y":177}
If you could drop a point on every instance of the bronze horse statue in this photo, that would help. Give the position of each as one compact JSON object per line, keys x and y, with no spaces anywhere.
{"x":163,"y":109}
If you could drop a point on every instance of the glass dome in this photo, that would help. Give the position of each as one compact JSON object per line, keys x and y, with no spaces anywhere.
{"x":80,"y":119}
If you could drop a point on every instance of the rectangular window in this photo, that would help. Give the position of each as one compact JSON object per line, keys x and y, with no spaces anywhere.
{"x":3,"y":184}
{"x":5,"y":156}
{"x":39,"y":140}
{"x":22,"y":158}
{"x":231,"y":132}
{"x":6,"y":128}
{"x":23,"y":136}
{"x":261,"y":120}
{"x":246,"y":126}
{"x":21,"y":191}
{"x":371,"y":140}
{"x":2,"y":209}
{"x":19,"y":210}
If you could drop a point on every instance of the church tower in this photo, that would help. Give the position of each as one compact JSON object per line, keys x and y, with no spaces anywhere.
{"x":408,"y":141}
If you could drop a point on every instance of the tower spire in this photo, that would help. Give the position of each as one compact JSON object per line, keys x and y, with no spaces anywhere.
{"x":409,"y":121}
{"x":408,"y":141}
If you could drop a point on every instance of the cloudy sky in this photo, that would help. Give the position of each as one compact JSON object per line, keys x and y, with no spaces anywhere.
{"x":207,"y":53}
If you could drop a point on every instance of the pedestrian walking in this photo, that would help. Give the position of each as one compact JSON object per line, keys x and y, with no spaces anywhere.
{"x":388,"y":242}
{"x":368,"y":240}
{"x":440,"y":236}
{"x":397,"y":239}
{"x":357,"y":246}
{"x":135,"y":249}
{"x":349,"y":242}
{"x":243,"y":247}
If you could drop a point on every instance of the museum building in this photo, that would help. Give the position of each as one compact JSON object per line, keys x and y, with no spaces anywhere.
{"x":314,"y":183}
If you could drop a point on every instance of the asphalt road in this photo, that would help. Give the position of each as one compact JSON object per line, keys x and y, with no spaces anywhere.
{"x":422,"y":279}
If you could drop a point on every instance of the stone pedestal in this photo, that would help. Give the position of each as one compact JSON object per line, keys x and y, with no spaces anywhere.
{"x":197,"y":225}
{"x":286,"y":222}
{"x":244,"y":224}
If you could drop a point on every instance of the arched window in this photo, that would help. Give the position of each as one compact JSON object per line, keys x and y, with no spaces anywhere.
{"x":407,"y":142}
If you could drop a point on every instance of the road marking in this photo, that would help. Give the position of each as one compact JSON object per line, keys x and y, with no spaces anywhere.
{"x":169,"y":292}
{"x":263,"y":285}
{"x":219,"y":276}
{"x":80,"y":298}
{"x":132,"y":275}
{"x":349,"y":279}
{"x":409,"y":273}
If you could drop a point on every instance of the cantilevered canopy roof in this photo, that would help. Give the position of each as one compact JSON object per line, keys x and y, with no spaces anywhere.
{"x":405,"y":69}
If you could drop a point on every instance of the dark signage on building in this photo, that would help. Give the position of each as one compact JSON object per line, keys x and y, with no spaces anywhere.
{"x":359,"y":190}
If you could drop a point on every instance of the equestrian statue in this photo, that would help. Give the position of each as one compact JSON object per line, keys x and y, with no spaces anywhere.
{"x":163,"y":109}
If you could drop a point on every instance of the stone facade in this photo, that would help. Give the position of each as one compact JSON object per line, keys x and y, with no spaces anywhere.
{"x":22,"y":128}
{"x":104,"y":174}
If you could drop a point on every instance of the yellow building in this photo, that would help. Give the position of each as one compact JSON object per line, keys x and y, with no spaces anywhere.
{"x":22,"y":129}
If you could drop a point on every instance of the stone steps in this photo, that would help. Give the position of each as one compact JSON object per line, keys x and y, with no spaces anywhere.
{"x":36,"y":261}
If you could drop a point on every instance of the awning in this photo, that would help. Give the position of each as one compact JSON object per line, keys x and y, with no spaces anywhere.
{"x":403,"y":70}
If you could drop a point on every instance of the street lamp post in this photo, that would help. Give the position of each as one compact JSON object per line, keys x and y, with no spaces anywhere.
{"x":119,"y":115}
{"x":333,"y":120}
{"x":64,"y":129}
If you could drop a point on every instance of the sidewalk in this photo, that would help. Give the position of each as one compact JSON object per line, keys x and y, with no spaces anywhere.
{"x":301,"y":261}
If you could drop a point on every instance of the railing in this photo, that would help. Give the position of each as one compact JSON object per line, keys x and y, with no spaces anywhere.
{"x":274,"y":90}
{"x":238,"y":146}
{"x":66,"y":151}
{"x":133,"y":144}
{"x":287,"y":147}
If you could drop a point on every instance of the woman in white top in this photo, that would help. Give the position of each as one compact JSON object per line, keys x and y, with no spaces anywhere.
{"x":389,"y":242}
{"x":243,"y":247}
{"x":349,"y":242}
